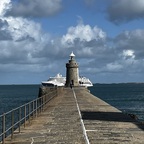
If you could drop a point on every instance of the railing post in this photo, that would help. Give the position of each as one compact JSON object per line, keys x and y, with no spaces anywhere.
{"x":12,"y":124}
{"x":41,"y":103}
{"x":29,"y":112}
{"x":36,"y":107}
{"x":24,"y":115}
{"x":33,"y":110}
{"x":19,"y":118}
{"x":3,"y":128}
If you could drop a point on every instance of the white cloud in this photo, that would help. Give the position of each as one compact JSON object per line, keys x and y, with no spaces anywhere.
{"x":22,"y":28}
{"x":17,"y":28}
{"x":83,"y":33}
{"x":128,"y":54}
{"x":26,"y":39}
{"x":125,"y":10}
{"x":125,"y":56}
{"x":114,"y":67}
{"x":86,"y":51}
{"x":4,"y":6}
{"x":34,"y":8}
{"x":131,"y":40}
{"x":25,"y":47}
{"x":20,"y":40}
{"x":129,"y":50}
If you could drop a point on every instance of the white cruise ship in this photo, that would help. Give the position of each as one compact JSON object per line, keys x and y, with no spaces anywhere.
{"x":59,"y":80}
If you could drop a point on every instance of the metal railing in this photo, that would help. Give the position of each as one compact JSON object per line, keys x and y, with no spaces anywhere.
{"x":14,"y":119}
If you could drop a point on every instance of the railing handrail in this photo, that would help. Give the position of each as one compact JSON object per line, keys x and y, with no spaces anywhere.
{"x":24,"y":104}
{"x":29,"y":110}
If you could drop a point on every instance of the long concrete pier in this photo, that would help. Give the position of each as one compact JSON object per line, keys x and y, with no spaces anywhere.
{"x":75,"y":116}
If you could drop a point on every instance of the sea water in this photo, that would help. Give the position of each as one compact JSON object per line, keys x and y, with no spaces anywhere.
{"x":127,"y":97}
{"x":13,"y":96}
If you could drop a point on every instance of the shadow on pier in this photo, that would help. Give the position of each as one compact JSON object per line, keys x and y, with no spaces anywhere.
{"x":111,"y":116}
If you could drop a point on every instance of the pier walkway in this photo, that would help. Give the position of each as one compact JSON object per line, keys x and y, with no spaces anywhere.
{"x":78,"y":117}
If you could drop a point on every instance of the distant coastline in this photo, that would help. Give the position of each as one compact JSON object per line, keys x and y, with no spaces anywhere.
{"x":121,"y":83}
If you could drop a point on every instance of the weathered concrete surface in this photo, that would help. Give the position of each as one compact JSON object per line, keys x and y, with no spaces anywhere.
{"x":105,"y":124}
{"x":60,"y":122}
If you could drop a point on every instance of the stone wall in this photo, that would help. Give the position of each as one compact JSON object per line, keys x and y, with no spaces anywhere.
{"x":50,"y":91}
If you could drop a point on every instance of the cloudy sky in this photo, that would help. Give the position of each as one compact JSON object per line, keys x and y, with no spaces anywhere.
{"x":37,"y":36}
